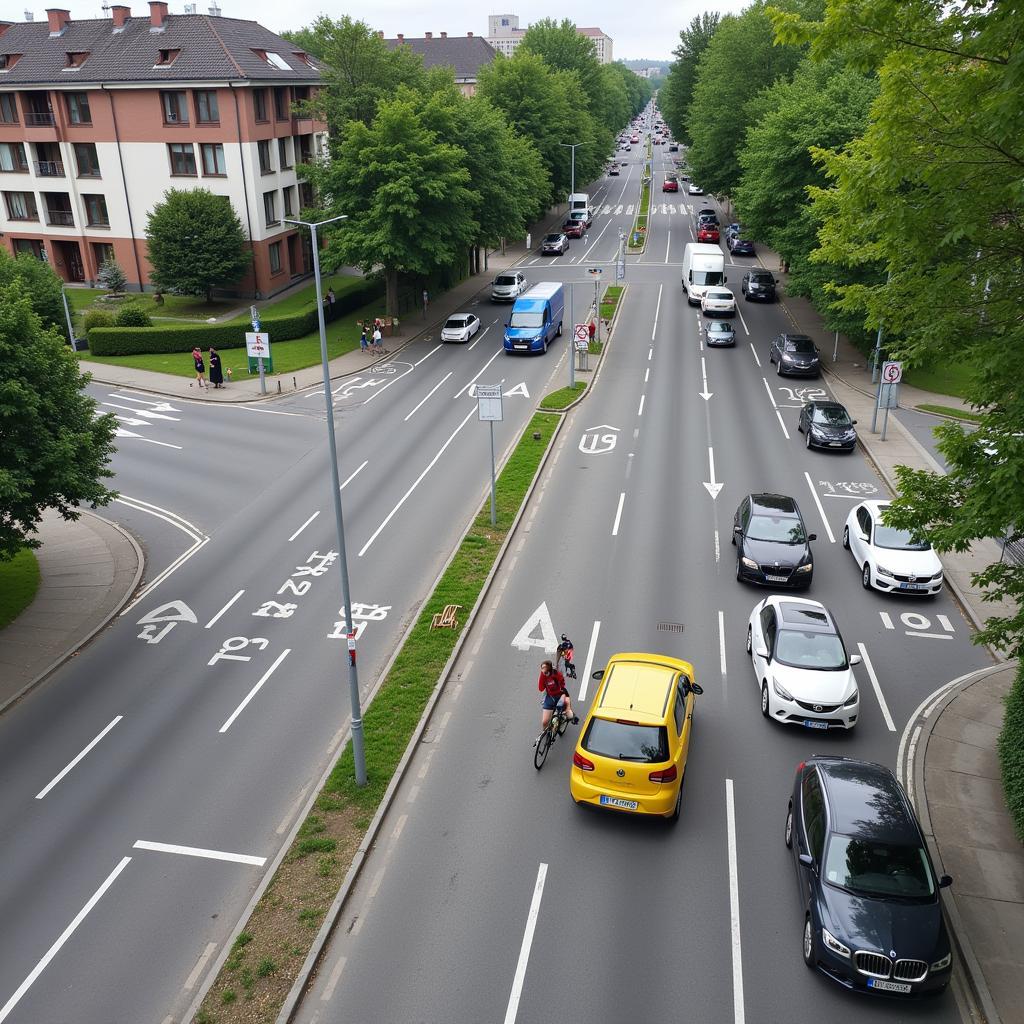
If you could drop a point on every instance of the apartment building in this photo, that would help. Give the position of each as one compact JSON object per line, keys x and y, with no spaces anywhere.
{"x":99,"y":118}
{"x":505,"y":35}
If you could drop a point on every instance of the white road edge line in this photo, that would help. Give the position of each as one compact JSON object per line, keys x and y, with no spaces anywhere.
{"x":5,"y":1012}
{"x":721,"y":639}
{"x":354,"y":474}
{"x":224,"y":609}
{"x":657,"y":310}
{"x":524,"y":951}
{"x":256,"y":689}
{"x":589,"y":664}
{"x":782,"y":424}
{"x":190,"y":981}
{"x":474,"y":380}
{"x":878,"y":689}
{"x":734,"y":908}
{"x":303,"y":526}
{"x":197,"y":851}
{"x":53,"y":782}
{"x":618,"y":515}
{"x":479,"y":337}
{"x":821,"y":508}
{"x":427,"y":356}
{"x":427,"y":395}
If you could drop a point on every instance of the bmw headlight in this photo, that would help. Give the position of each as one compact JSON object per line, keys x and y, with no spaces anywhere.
{"x":941,"y":965}
{"x":805,"y":568}
{"x":833,"y":943}
{"x":748,"y":562}
{"x":781,"y":691}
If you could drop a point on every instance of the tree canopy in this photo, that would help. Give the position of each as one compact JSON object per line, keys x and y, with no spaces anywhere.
{"x":42,"y":286}
{"x":676,"y":95}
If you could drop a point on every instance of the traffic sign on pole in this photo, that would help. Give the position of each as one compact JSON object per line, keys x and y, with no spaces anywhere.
{"x":892,"y":372}
{"x":581,"y":332}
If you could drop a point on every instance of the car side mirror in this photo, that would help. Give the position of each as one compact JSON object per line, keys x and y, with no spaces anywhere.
{"x":762,"y":652}
{"x":696,"y":688}
{"x":855,"y":659}
{"x":853,"y":421}
{"x":807,"y":860}
{"x":945,"y":881}
{"x":599,"y":674}
{"x":737,"y":529}
{"x":811,"y":536}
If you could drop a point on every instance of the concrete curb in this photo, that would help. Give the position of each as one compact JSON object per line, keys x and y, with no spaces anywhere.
{"x":919,"y":728}
{"x":80,"y":643}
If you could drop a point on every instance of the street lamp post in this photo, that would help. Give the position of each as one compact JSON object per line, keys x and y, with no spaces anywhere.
{"x":572,"y":175}
{"x":358,"y":752}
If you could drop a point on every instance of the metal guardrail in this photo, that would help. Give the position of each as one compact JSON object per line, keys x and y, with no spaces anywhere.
{"x":63,"y":218}
{"x":49,"y":168}
{"x":36,"y":118}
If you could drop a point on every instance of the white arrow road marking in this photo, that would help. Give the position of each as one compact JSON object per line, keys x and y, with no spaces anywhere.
{"x":131,"y":421}
{"x":705,"y":394}
{"x":121,"y":432}
{"x":196,"y":851}
{"x":539,"y":619}
{"x":157,"y":406}
{"x":713,"y":487}
{"x":519,"y":389}
{"x":148,"y":413}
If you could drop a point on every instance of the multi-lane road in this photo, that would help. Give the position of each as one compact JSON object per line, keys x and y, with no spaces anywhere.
{"x":150,"y":782}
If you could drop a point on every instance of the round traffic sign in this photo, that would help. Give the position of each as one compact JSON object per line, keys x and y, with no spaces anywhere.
{"x":892,"y":373}
{"x":582,"y":332}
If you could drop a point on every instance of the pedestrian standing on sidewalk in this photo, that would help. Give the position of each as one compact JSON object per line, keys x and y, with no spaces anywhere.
{"x":330,"y":310}
{"x":426,"y":302}
{"x":216,"y":371}
{"x":364,"y":345}
{"x":591,"y":329}
{"x":197,"y":360}
{"x":378,"y":342}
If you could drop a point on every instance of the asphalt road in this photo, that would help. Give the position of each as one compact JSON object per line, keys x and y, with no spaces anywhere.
{"x":490,"y":896}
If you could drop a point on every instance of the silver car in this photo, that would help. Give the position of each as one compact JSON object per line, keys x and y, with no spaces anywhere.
{"x":508,"y":287}
{"x":554,"y":244}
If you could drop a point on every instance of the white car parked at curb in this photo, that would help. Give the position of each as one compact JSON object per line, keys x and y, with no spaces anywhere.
{"x":890,"y":560}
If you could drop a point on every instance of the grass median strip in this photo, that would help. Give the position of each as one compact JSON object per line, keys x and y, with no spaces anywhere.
{"x":19,"y":581}
{"x":563,"y":396}
{"x":288,"y":916}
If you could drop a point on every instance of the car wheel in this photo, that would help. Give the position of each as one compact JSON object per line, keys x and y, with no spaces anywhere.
{"x":866,"y":575}
{"x":808,"y":942}
{"x":807,"y":439}
{"x":559,"y":328}
{"x":846,"y":537}
{"x":789,"y":827}
{"x":764,"y":699}
{"x":750,"y":640}
{"x":544,"y":348}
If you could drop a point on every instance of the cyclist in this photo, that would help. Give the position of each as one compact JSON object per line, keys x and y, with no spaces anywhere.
{"x":552,"y":684}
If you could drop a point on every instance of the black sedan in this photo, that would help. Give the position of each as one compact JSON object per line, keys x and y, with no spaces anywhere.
{"x":758,"y":285}
{"x":719,"y":332}
{"x":772,"y":546}
{"x":827,"y":425}
{"x":872,"y":916}
{"x":795,"y":355}
{"x":740,"y":246}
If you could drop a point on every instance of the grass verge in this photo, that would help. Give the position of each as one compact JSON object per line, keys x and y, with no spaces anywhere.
{"x":610,"y":300}
{"x":948,"y":410}
{"x":563,"y":396}
{"x":1011,"y":752}
{"x":293,"y":907}
{"x":19,"y":581}
{"x":950,"y":379}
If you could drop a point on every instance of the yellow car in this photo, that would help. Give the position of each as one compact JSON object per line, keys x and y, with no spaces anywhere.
{"x":631,"y":754}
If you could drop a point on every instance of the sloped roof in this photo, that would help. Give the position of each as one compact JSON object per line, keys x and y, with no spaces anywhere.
{"x":212,"y":49}
{"x":464,"y":54}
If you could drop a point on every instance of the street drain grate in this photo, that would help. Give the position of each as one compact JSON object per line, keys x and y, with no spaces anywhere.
{"x":671,"y":627}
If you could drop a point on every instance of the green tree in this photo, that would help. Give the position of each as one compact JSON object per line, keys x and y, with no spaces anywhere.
{"x":42,"y":285}
{"x":55,"y":448}
{"x":111,"y":276}
{"x":196,"y":243}
{"x":675,"y":97}
{"x":406,"y":191}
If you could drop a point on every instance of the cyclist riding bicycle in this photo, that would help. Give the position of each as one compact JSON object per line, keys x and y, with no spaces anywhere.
{"x":552,"y":685}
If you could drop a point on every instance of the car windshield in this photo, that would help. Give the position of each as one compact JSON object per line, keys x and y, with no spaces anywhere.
{"x":833,"y":415}
{"x":872,"y":868}
{"x":720,"y":296}
{"x":505,"y":280}
{"x":820,"y":652}
{"x":799,"y":345}
{"x":456,"y":323}
{"x":706,"y":277}
{"x":760,"y":279}
{"x":898,"y":540}
{"x":553,"y":238}
{"x":783,"y":530}
{"x":718,"y":327}
{"x":527,"y":320}
{"x":626,"y":741}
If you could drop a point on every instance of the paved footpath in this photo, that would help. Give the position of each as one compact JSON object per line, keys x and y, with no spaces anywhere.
{"x":947,"y":757}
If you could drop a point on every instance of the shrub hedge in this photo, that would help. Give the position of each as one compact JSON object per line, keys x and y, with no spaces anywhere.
{"x":1011,"y":752}
{"x":183,"y":337}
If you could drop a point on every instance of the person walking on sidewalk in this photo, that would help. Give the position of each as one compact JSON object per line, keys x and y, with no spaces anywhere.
{"x":364,"y":345}
{"x":197,"y":360}
{"x":216,"y":371}
{"x":378,"y":342}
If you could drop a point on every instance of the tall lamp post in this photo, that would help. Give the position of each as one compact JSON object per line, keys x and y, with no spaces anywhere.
{"x":358,"y":751}
{"x":573,"y":146}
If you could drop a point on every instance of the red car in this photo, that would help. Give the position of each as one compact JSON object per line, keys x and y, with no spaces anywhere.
{"x":707,"y":233}
{"x":573,"y":228}
{"x":669,"y":186}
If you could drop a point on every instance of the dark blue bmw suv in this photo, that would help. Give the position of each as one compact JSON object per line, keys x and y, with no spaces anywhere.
{"x":872,"y":917}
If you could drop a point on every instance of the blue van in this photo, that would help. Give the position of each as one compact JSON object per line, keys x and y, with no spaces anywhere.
{"x":536,"y":318}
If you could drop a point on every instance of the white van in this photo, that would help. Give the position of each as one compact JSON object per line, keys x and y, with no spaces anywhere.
{"x":703,"y":268}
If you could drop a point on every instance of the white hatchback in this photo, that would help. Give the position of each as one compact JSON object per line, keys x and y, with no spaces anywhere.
{"x":801,"y":668}
{"x":460,"y":327}
{"x":890,"y":560}
{"x":718,"y":302}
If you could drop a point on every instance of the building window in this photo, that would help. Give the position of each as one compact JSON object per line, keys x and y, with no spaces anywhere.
{"x":282,"y":153}
{"x":8,"y":108}
{"x":96,"y":211}
{"x":21,"y":206}
{"x":289,"y":201}
{"x":266,"y":164}
{"x":166,"y":58}
{"x":78,"y":107}
{"x":275,"y":257}
{"x":206,"y":107}
{"x":175,"y":108}
{"x":76,"y":58}
{"x":102,"y":252}
{"x":270,"y":207}
{"x":31,"y":247}
{"x":87,"y":160}
{"x":12,"y":157}
{"x":8,"y":60}
{"x":183,"y":159}
{"x":259,"y":104}
{"x":281,"y":111}
{"x":213,"y":159}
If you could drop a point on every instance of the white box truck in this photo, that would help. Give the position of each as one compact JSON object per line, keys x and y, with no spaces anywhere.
{"x":703,"y":268}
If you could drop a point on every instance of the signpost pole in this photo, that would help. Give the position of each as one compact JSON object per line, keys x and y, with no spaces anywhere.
{"x":572,"y":351}
{"x":488,"y":399}
{"x":890,"y":375}
{"x":259,"y":359}
{"x":494,"y":514}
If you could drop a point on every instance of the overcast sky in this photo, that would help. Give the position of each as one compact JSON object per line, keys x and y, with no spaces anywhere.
{"x":649,"y":31}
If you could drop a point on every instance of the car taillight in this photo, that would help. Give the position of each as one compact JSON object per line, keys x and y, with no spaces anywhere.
{"x":583,"y":763}
{"x":664,"y":775}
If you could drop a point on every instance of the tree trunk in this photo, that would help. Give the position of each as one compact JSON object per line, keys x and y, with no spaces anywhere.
{"x":391,"y":291}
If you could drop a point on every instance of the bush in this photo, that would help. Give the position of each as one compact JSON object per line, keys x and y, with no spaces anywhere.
{"x":96,"y":318}
{"x":132,"y":315}
{"x":1011,"y":752}
{"x":129,"y":341}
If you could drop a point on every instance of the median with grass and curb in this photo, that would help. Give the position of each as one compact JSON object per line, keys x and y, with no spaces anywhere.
{"x":270,"y":957}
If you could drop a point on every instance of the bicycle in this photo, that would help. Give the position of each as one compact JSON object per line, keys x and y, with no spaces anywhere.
{"x":556,"y":727}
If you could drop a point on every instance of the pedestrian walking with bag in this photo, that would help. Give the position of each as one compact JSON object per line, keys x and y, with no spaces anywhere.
{"x":197,"y":359}
{"x":216,"y":370}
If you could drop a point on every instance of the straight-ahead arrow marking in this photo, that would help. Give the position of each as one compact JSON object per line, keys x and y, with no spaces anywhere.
{"x":158,"y":406}
{"x":706,"y":395}
{"x":143,"y":412}
{"x":131,"y":421}
{"x":713,"y":487}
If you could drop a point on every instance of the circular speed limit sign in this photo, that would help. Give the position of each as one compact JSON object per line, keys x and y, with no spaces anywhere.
{"x":892,"y":373}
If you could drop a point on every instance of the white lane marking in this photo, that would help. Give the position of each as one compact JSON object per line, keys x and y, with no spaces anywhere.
{"x":353,"y":474}
{"x":640,"y":411}
{"x":718,"y":547}
{"x":734,"y":909}
{"x":821,"y":508}
{"x":877,"y":688}
{"x":721,"y":639}
{"x":387,"y":519}
{"x":755,"y":355}
{"x":256,"y":689}
{"x":190,"y":981}
{"x":303,"y":526}
{"x":589,"y":662}
{"x":428,"y":355}
{"x":121,"y":432}
{"x":224,"y":609}
{"x":668,"y":241}
{"x":60,"y":775}
{"x":657,"y":310}
{"x":886,"y":618}
{"x":427,"y":395}
{"x":739,"y":313}
{"x":479,"y":337}
{"x":771,"y":397}
{"x":197,"y":851}
{"x":328,"y":992}
{"x":782,"y":423}
{"x":647,"y":375}
{"x":932,"y":636}
{"x":5,"y":1011}
{"x":618,"y":515}
{"x":474,"y":380}
{"x":650,"y":352}
{"x":524,"y":950}
{"x":596,"y":240}
{"x":394,"y":380}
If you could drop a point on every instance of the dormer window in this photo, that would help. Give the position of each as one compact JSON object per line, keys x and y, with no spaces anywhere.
{"x":303,"y":58}
{"x":8,"y":60}
{"x":75,"y":59}
{"x":275,"y":60}
{"x":166,"y":58}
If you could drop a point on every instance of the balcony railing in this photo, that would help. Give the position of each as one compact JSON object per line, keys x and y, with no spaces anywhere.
{"x":61,"y":218}
{"x":49,"y":168}
{"x":36,"y":118}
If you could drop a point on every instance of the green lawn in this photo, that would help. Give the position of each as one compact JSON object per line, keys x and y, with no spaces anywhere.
{"x":19,"y":581}
{"x":952,"y":379}
{"x":948,"y":410}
